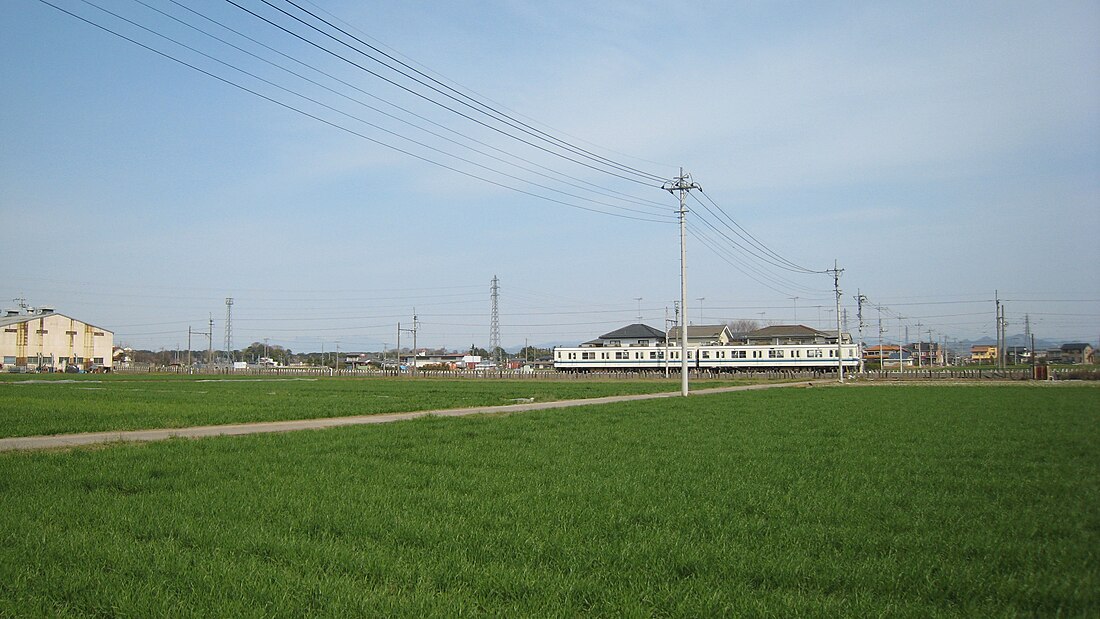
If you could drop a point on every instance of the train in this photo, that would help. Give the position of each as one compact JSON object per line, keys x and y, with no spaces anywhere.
{"x":611,"y":355}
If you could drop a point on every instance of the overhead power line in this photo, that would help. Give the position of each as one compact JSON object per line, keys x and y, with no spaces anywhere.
{"x":648,"y":217}
{"x":473,"y":103}
{"x":617,"y":171}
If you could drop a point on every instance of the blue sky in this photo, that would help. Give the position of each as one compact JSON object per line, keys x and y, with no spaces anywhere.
{"x":938,"y":151}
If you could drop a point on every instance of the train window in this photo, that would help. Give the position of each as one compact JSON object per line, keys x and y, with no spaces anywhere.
{"x":706,"y":354}
{"x":603,"y":355}
{"x":775,"y":353}
{"x":813,"y":353}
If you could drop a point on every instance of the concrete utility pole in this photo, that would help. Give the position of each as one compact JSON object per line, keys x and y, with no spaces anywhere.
{"x":667,"y":341}
{"x":836,"y":271}
{"x":999,"y":319}
{"x":860,"y":299}
{"x":919,"y":343}
{"x":413,"y":331}
{"x":901,"y":343}
{"x":210,"y":341}
{"x":682,"y":184}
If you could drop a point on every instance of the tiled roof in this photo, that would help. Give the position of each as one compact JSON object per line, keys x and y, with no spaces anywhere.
{"x":634,"y":331}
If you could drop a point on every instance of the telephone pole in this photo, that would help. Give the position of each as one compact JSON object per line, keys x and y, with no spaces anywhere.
{"x":919,"y":343}
{"x":682,"y":184}
{"x":836,"y":271}
{"x":860,"y":299}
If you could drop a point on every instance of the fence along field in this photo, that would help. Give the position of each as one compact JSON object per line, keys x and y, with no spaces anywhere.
{"x":902,"y":501}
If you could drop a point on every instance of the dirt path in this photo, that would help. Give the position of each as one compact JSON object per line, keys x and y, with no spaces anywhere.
{"x":91,"y":438}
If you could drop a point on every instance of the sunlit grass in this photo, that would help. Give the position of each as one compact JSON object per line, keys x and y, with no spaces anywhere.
{"x":895,"y":501}
{"x":61,"y":404}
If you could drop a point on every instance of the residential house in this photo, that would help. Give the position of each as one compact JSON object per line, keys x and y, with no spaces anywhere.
{"x":703,"y":335}
{"x":1077,"y":352}
{"x":983,"y":354}
{"x":636,"y":334}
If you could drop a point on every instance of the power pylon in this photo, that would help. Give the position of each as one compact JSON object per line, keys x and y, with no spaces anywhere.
{"x":494,"y":325}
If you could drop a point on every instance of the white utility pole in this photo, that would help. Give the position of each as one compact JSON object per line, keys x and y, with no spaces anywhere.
{"x":836,"y":271}
{"x":859,"y":315}
{"x":682,"y":184}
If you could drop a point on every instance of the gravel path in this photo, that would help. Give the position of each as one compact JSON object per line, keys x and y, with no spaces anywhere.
{"x":91,"y":438}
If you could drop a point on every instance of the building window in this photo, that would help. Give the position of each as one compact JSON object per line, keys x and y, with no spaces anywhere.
{"x":97,"y":333}
{"x":41,"y":331}
{"x":70,"y":333}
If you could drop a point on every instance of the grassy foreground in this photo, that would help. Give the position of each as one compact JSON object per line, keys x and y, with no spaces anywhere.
{"x":63,"y":403}
{"x":878,"y":501}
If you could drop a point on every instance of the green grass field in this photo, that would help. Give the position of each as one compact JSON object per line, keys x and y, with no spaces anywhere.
{"x":906,"y":501}
{"x":62,"y":403}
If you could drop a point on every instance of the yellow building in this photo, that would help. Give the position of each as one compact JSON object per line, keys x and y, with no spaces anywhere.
{"x":46,"y":339}
{"x":983,"y":354}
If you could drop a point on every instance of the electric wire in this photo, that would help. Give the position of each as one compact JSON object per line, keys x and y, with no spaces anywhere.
{"x":368,"y":123}
{"x":418,"y":94}
{"x":470,"y":101}
{"x":745,"y":234}
{"x":595,"y":188}
{"x":333,"y":124}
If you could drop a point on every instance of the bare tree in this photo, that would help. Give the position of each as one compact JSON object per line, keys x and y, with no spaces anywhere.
{"x":742,"y":325}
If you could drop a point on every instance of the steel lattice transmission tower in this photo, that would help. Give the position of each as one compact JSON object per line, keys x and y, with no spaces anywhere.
{"x":229,"y":329}
{"x":494,"y":324}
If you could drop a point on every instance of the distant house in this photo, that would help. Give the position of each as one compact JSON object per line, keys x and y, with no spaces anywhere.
{"x":1016,"y":355}
{"x":703,"y":335}
{"x":877,"y":354}
{"x":926,"y":353}
{"x":1077,"y":352}
{"x":776,"y":335}
{"x":904,"y":359}
{"x":636,"y":334}
{"x":983,"y":354}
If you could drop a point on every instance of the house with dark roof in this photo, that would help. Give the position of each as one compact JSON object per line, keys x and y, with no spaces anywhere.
{"x":636,"y":334}
{"x":1077,"y":352}
{"x":776,"y":335}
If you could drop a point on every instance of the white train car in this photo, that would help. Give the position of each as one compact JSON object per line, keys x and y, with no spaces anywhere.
{"x":716,"y":358}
